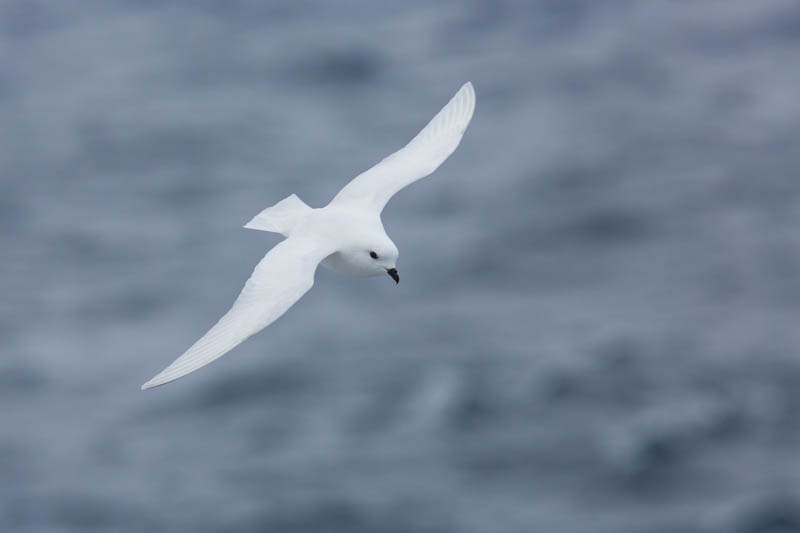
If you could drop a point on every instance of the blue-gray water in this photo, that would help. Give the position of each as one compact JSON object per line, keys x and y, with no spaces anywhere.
{"x":598,"y":323}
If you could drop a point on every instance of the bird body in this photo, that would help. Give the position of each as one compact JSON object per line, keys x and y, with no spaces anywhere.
{"x":346,"y":235}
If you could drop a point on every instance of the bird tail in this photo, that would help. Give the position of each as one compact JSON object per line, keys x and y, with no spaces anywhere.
{"x":281,"y":217}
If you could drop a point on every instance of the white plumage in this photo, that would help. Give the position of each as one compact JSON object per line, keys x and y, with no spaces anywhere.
{"x":346,"y":235}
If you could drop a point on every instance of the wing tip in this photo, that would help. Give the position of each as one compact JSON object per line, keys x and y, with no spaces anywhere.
{"x":466,"y":101}
{"x":468,"y":90}
{"x":162,"y":378}
{"x":150,"y":384}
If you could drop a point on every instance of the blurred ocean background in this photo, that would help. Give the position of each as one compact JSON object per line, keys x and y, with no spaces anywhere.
{"x":598,"y":324}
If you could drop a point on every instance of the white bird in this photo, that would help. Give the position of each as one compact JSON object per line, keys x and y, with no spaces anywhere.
{"x":347,"y":236}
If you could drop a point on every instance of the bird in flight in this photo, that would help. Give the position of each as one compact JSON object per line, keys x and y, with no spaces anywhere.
{"x":346,"y":235}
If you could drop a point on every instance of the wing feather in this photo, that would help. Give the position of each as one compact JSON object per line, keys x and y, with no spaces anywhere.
{"x":419,"y":158}
{"x":279,"y":280}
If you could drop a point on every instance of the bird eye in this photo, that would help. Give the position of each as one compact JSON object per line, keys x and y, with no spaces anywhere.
{"x":373,"y":255}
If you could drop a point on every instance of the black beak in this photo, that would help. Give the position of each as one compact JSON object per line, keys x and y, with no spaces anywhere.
{"x":393,"y":273}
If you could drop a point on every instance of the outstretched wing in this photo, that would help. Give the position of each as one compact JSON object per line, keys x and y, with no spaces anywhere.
{"x":417,"y":159}
{"x":284,"y":275}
